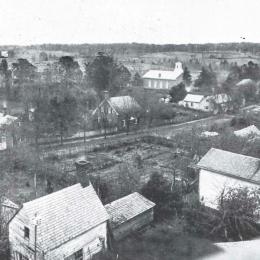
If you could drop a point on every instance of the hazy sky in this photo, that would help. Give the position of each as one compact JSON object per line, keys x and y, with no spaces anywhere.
{"x":150,"y":21}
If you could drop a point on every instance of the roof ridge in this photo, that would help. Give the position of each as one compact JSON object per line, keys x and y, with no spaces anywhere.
{"x":53,"y":193}
{"x":237,"y":154}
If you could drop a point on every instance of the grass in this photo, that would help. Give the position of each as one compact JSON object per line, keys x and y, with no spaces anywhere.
{"x":164,"y":242}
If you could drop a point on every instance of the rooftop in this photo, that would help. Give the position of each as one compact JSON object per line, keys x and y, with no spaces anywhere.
{"x":245,"y":82}
{"x":232,"y":164}
{"x":251,"y":130}
{"x":65,"y":214}
{"x":196,"y":98}
{"x":128,"y":207}
{"x":165,"y":74}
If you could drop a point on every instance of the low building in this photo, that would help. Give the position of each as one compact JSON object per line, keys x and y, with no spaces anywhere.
{"x":129,"y":214}
{"x":119,"y":112}
{"x":196,"y":101}
{"x":220,"y":170}
{"x":163,"y":79}
{"x":67,"y":224}
{"x":207,"y":102}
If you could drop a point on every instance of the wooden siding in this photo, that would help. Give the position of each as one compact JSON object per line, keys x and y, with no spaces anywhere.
{"x":89,"y":241}
{"x":133,"y":224}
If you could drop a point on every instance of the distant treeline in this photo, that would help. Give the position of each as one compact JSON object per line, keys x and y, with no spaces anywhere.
{"x":140,"y":48}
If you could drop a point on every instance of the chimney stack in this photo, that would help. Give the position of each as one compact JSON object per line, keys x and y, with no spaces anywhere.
{"x":106,"y":94}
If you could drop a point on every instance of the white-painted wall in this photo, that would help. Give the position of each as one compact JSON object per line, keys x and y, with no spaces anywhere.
{"x":212,"y":184}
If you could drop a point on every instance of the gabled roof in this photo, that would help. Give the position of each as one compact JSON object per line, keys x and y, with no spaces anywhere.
{"x":221,"y":98}
{"x":163,"y":74}
{"x":231,"y":164}
{"x":128,"y":207}
{"x":121,"y":104}
{"x":8,"y":203}
{"x":195,"y":98}
{"x":65,"y":214}
{"x":248,"y":131}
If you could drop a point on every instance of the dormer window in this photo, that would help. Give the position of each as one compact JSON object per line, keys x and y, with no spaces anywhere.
{"x":26,"y":232}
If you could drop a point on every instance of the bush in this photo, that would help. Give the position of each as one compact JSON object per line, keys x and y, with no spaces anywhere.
{"x":168,"y":202}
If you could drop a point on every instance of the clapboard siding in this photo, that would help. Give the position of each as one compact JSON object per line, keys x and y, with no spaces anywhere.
{"x":89,"y":242}
{"x":16,"y":237}
{"x":133,"y":224}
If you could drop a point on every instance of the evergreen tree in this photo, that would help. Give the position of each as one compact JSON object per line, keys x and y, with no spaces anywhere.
{"x":186,"y":76}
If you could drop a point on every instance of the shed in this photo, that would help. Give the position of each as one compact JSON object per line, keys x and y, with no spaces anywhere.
{"x":129,"y":214}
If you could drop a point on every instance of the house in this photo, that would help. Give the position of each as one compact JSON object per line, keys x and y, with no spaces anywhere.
{"x":207,"y":102}
{"x":7,"y":210}
{"x":129,"y":214}
{"x":220,"y":170}
{"x":6,"y":131}
{"x":196,"y":101}
{"x":119,"y":112}
{"x":250,"y":131}
{"x":67,"y":224}
{"x":163,"y":79}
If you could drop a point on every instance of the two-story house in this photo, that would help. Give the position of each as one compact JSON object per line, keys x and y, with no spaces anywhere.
{"x":70,"y":224}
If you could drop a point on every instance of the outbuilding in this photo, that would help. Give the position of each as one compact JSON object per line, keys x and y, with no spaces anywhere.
{"x":129,"y":214}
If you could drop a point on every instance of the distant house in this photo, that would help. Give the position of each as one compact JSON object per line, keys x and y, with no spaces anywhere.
{"x":220,"y":170}
{"x":163,"y":79}
{"x":129,"y":214}
{"x":207,"y":102}
{"x":119,"y":112}
{"x":196,"y":101}
{"x":6,"y":131}
{"x":8,"y":210}
{"x":250,"y":131}
{"x":67,"y":224}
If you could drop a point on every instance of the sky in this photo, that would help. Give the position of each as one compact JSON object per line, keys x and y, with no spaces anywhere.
{"x":25,"y":22}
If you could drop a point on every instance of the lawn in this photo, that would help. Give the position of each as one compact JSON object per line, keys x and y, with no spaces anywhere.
{"x":165,"y":241}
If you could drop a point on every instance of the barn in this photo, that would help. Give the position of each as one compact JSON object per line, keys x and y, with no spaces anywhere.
{"x":129,"y":214}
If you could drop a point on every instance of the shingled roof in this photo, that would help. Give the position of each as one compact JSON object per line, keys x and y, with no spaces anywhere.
{"x":231,"y":164}
{"x":65,"y":214}
{"x":126,"y":208}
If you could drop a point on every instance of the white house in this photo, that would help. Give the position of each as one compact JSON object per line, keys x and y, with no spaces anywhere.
{"x":196,"y":101}
{"x":69,"y":224}
{"x":220,"y":170}
{"x":206,"y":102}
{"x":163,"y":79}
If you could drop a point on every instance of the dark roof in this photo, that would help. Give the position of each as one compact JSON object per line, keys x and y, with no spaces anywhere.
{"x":231,"y":164}
{"x":126,"y":208}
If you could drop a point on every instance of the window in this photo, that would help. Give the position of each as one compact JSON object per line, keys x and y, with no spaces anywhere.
{"x":26,"y":232}
{"x":191,"y":104}
{"x":19,"y":256}
{"x":76,"y":256}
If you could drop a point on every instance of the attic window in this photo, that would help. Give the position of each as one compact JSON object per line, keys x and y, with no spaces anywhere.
{"x":26,"y":232}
